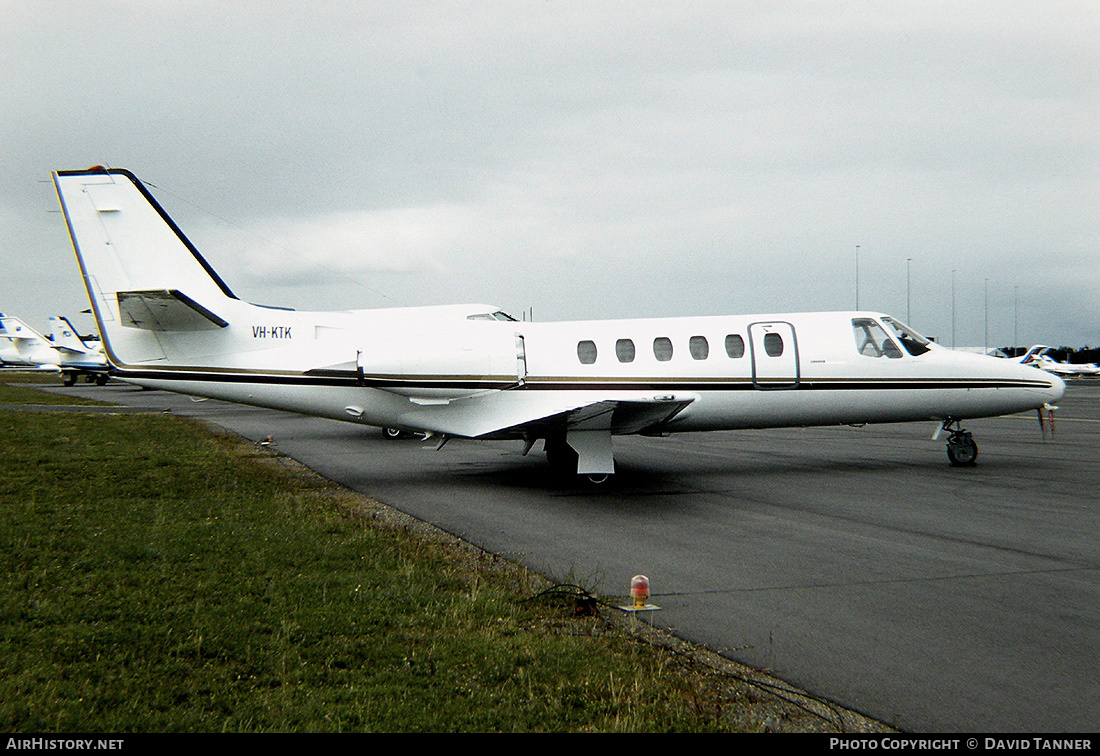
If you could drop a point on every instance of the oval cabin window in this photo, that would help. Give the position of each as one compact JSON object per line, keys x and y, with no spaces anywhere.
{"x":662,"y":349}
{"x":699,"y":347}
{"x":586,"y":352}
{"x":735,"y":346}
{"x":773,"y":344}
{"x":624,"y":350}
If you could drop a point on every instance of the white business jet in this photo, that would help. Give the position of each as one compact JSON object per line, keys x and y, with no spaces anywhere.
{"x":9,"y":354}
{"x":67,"y":355}
{"x":1040,"y":356}
{"x":169,"y":321}
{"x":82,"y":355}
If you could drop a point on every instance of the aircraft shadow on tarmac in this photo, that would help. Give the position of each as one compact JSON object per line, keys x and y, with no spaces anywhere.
{"x":669,"y":476}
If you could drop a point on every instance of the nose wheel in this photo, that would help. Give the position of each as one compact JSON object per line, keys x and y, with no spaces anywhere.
{"x":962,"y":451}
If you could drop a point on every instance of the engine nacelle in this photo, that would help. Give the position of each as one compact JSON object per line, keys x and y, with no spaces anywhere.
{"x":445,"y":363}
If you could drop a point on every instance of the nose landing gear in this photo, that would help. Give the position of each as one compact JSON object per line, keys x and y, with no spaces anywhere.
{"x":962,"y":451}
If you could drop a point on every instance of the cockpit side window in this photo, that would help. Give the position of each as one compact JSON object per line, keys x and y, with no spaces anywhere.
{"x":872,"y":339}
{"x":912,"y":341}
{"x":498,"y":315}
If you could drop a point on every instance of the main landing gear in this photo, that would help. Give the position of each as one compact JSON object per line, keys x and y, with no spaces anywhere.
{"x":70,"y":377}
{"x":582,"y":462}
{"x":962,"y":451}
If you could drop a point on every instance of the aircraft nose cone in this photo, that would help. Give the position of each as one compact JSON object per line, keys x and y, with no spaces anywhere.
{"x":1057,"y":388}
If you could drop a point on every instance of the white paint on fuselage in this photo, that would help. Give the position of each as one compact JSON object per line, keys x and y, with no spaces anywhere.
{"x":168,"y":320}
{"x":722,"y":387}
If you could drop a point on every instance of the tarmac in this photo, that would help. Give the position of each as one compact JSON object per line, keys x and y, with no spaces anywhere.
{"x":853,"y":563}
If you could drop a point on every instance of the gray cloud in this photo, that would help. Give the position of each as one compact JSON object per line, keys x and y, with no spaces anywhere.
{"x":584,"y":160}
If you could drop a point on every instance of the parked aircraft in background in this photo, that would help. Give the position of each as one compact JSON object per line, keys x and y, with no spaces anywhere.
{"x":169,"y":321}
{"x":69,"y":355}
{"x":64,"y":333}
{"x":9,"y":355}
{"x":990,"y":351}
{"x":1040,"y":356}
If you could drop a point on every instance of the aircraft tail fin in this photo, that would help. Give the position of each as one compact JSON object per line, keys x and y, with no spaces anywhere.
{"x":143,"y":276}
{"x":62,"y":334}
{"x":15,"y":329}
{"x":29,"y":345}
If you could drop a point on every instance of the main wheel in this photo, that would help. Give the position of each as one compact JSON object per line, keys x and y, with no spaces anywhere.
{"x":393,"y":433}
{"x":962,"y":451}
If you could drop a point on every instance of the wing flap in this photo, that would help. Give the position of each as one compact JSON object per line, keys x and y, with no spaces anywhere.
{"x":515,"y":411}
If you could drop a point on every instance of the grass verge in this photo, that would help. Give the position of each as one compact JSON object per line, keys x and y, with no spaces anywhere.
{"x":19,"y":388}
{"x":157,"y":577}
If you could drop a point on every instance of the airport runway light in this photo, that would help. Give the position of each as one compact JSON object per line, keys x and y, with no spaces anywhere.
{"x":639,"y":594}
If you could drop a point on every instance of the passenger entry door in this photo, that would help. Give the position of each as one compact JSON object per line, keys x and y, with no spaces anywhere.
{"x":521,"y":360}
{"x":774,"y":352}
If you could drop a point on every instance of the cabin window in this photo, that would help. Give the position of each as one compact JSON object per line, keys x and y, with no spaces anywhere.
{"x":735,"y":346}
{"x":624,"y":350}
{"x":773,"y":344}
{"x":586,"y":352}
{"x":872,"y":340}
{"x":698,"y":347}
{"x":662,"y":349}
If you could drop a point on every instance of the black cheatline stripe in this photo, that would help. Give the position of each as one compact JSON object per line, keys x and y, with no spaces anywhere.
{"x":327,"y":378}
{"x":349,"y":378}
{"x":802,"y":386}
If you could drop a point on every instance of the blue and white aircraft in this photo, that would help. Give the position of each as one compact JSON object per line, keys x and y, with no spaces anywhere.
{"x":63,"y":353}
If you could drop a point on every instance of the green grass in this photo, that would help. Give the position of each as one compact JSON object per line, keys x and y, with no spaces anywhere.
{"x":19,"y":388}
{"x":155,"y":577}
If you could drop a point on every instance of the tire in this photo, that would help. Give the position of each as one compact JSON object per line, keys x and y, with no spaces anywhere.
{"x":962,"y":452}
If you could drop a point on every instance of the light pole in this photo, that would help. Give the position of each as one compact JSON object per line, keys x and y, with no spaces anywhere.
{"x":857,"y":276}
{"x":1016,"y":316}
{"x":952,"y":309}
{"x":987,"y":316}
{"x":908,"y":316}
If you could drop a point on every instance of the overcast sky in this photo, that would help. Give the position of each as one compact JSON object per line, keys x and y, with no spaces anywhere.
{"x":580,"y":159}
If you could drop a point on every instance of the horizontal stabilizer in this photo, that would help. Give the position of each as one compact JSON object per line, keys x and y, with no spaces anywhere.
{"x":165,"y":310}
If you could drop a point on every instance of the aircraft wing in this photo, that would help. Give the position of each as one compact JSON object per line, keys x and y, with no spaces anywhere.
{"x":504,"y":412}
